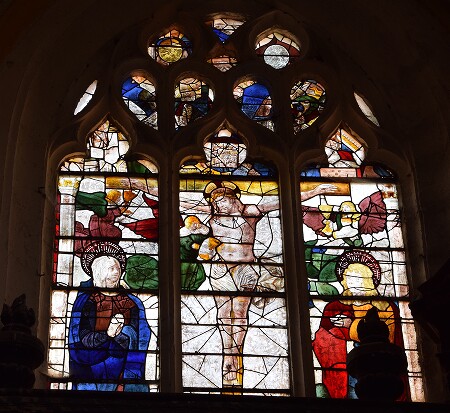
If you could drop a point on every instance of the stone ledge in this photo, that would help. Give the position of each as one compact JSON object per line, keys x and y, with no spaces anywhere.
{"x":45,"y":401}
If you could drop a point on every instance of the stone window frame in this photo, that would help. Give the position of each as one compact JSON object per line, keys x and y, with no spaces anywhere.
{"x":169,"y":149}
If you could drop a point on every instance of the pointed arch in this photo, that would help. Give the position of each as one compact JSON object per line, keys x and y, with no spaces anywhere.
{"x":233,"y":315}
{"x":355,"y":260}
{"x":104,"y":299}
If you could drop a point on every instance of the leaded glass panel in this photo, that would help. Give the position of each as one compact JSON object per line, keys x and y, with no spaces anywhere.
{"x":234,"y":331}
{"x":355,"y":261}
{"x":224,"y":27}
{"x":193,"y":100}
{"x":278,"y":50}
{"x":223,"y":62}
{"x":104,"y":303}
{"x":255,"y":102}
{"x":170,"y":48}
{"x":139,"y":95}
{"x":343,"y":150}
{"x":307,"y":103}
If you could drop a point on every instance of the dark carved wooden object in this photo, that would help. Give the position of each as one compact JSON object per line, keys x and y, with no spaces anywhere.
{"x":379,"y":366}
{"x":20,"y":351}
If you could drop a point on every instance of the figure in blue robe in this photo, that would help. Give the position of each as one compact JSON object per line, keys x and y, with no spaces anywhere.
{"x":108,"y":333}
{"x":96,"y":356}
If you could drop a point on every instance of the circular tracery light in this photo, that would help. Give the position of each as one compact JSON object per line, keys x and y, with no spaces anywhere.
{"x":278,"y":50}
{"x":170,"y":48}
{"x":276,"y":56}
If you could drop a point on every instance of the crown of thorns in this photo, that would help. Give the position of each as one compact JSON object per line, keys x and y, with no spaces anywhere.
{"x":358,"y":257}
{"x":99,"y":249}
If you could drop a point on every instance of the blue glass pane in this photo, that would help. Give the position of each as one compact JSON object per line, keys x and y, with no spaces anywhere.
{"x":139,"y":95}
{"x":255,"y":102}
{"x":224,"y":27}
{"x":223,"y":37}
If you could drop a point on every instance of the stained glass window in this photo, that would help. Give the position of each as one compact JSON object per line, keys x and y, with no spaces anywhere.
{"x":139,"y":95}
{"x":278,"y":50}
{"x":86,"y":98}
{"x":170,"y":48}
{"x":105,"y":299}
{"x":193,"y":100}
{"x":365,"y":108}
{"x":355,"y":261}
{"x":223,"y":62}
{"x":234,"y":332}
{"x":104,"y":302}
{"x":255,"y":102}
{"x":307,"y":103}
{"x":224,"y":27}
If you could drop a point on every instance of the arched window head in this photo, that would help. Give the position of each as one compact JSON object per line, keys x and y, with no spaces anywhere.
{"x":106,"y":148}
{"x":104,"y":300}
{"x":355,"y":261}
{"x":255,"y":102}
{"x":307,"y":103}
{"x":365,"y":108}
{"x":278,"y":50}
{"x":86,"y":98}
{"x":225,"y":151}
{"x":193,"y":100}
{"x":233,"y":312}
{"x":344,"y":150}
{"x":224,"y":27}
{"x":170,"y":48}
{"x":139,"y":95}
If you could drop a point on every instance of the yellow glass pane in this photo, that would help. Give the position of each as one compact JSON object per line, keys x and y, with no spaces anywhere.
{"x":170,"y":50}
